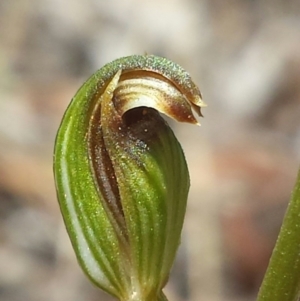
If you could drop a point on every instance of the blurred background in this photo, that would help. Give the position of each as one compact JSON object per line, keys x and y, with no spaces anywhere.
{"x":243,"y":160}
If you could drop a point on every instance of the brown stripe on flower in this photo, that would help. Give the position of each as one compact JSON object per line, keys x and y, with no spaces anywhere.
{"x":156,"y":92}
{"x":104,"y":174}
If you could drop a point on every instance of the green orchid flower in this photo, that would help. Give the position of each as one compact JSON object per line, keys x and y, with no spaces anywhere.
{"x":121,"y":176}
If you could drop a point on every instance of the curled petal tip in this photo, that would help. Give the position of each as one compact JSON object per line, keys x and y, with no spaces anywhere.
{"x":202,"y":103}
{"x":199,"y":101}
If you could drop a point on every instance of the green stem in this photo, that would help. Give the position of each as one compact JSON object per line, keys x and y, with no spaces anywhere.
{"x":282,"y":279}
